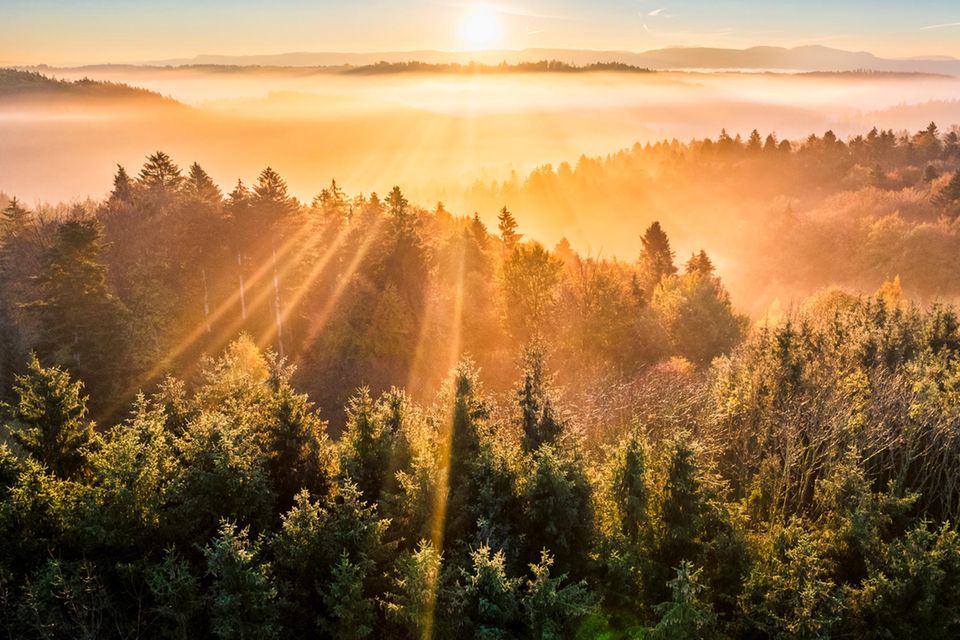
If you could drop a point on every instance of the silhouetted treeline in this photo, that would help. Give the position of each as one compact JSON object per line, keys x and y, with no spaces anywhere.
{"x":785,"y":218}
{"x":354,"y":290}
{"x":15,"y":83}
{"x":543,"y":66}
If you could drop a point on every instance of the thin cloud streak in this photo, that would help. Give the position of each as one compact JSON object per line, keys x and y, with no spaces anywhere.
{"x":946,"y":25}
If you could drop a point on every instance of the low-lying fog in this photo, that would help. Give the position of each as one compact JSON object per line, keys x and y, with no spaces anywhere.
{"x":432,"y":134}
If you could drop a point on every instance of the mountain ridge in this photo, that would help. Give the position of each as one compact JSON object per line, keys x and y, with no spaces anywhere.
{"x":802,"y":58}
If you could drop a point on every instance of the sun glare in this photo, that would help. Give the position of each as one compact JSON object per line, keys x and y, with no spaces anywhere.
{"x":480,"y":28}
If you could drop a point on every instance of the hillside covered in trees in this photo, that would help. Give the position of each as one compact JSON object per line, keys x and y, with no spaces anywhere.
{"x":236,"y":415}
{"x":783,"y":218}
{"x":33,"y":86}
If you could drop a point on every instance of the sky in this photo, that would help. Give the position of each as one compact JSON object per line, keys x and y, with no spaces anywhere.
{"x":99,"y":31}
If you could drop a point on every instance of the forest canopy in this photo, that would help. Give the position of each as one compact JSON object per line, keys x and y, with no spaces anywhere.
{"x":228,"y":413}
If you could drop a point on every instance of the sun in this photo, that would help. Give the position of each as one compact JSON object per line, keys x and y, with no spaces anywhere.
{"x":480,"y":28}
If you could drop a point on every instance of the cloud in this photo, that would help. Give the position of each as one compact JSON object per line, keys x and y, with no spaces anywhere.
{"x":509,"y":10}
{"x":657,"y":12}
{"x":533,"y":32}
{"x":946,"y":25}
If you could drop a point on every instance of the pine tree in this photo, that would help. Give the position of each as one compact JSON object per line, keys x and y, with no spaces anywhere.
{"x":656,"y":258}
{"x":537,"y":418}
{"x":681,"y":512}
{"x":397,"y":208}
{"x":243,"y":601}
{"x":754,"y":142}
{"x":301,"y":454}
{"x":700,"y":264}
{"x":507,"y":225}
{"x":417,"y":599}
{"x":331,"y":205}
{"x":49,"y":419}
{"x":14,"y":220}
{"x":82,"y":323}
{"x":770,"y":144}
{"x":366,"y":447}
{"x":685,"y":615}
{"x":350,"y":611}
{"x":558,"y":509}
{"x":467,"y":409}
{"x":201,"y":187}
{"x":123,"y":188}
{"x":552,"y":609}
{"x":159,"y":174}
{"x":950,"y":195}
{"x":488,"y":597}
{"x":629,"y":490}
{"x":271,"y":199}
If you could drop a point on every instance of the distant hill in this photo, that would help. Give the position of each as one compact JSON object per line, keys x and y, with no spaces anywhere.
{"x":15,"y":83}
{"x":807,"y":58}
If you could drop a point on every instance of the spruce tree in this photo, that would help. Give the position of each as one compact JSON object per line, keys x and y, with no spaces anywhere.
{"x":159,"y":175}
{"x":656,"y":258}
{"x":538,"y":419}
{"x":271,"y":199}
{"x":49,"y":419}
{"x":950,"y":195}
{"x":201,"y":187}
{"x":507,"y":225}
{"x":82,"y":324}
{"x":700,"y":264}
{"x":123,"y":188}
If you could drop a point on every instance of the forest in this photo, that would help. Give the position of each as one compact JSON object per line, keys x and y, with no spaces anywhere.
{"x":227,"y":413}
{"x":784,"y":218}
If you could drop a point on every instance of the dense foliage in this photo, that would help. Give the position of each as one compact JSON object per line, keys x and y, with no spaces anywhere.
{"x":354,"y":291}
{"x":620,"y":458}
{"x":784,"y":217}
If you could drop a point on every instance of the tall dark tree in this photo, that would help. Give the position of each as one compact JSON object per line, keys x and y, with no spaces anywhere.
{"x":200,"y":187}
{"x":49,"y":419}
{"x":507,"y":226}
{"x":82,"y":324}
{"x":656,"y":258}
{"x":700,"y":264}
{"x":538,"y":419}
{"x":271,"y":198}
{"x":159,"y":183}
{"x":123,"y":188}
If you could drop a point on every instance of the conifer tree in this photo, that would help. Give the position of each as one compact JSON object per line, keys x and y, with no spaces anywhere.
{"x":488,"y":597}
{"x":537,"y":416}
{"x":14,"y":220}
{"x":301,"y":454}
{"x":559,"y":509}
{"x":950,"y":195}
{"x":201,"y":187}
{"x":366,"y":447}
{"x":656,"y":258}
{"x":49,"y":419}
{"x":243,"y":599}
{"x":123,"y":188}
{"x":770,"y":144}
{"x":270,"y":198}
{"x":507,"y":225}
{"x":160,"y":176}
{"x":700,"y":264}
{"x":82,"y":323}
{"x":418,"y":598}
